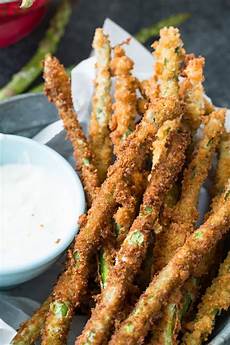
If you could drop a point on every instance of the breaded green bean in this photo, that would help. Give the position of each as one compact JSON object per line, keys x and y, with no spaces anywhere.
{"x":125,"y":105}
{"x":100,"y":141}
{"x":135,"y":327}
{"x":192,"y":91}
{"x":215,"y":300}
{"x":134,"y":247}
{"x":183,"y":219}
{"x":185,"y":213}
{"x":169,"y":55}
{"x":30,"y":330}
{"x":125,"y":215}
{"x":223,"y":167}
{"x":221,"y":179}
{"x":58,"y":91}
{"x":72,"y":283}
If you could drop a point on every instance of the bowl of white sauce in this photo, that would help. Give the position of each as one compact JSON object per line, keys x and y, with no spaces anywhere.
{"x":41,"y":199}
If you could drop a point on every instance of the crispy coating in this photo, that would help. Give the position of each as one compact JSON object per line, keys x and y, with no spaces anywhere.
{"x":30,"y":330}
{"x":183,"y":219}
{"x":192,"y":91}
{"x":125,"y":106}
{"x":185,"y":213}
{"x":221,"y":179}
{"x":72,"y":283}
{"x":215,"y":300}
{"x":100,"y":141}
{"x":134,"y":247}
{"x":169,"y":55}
{"x":126,"y":213}
{"x":142,"y":105}
{"x":124,"y":218}
{"x":135,"y":327}
{"x":58,"y":91}
{"x":223,"y":167}
{"x":166,"y":328}
{"x":149,"y":89}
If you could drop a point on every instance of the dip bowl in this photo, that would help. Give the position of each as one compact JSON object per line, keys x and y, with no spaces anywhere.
{"x":20,"y":150}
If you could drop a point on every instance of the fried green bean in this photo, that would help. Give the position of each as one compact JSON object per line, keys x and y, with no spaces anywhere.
{"x":125,"y":215}
{"x":185,"y":213}
{"x":100,"y":141}
{"x":183,"y":220}
{"x":192,"y":91}
{"x":125,"y":106}
{"x":172,"y":145}
{"x":30,"y":330}
{"x":215,"y":300}
{"x":223,"y":167}
{"x":72,"y":283}
{"x":169,"y":55}
{"x":221,"y":179}
{"x":58,"y":91}
{"x":57,"y":88}
{"x":135,"y":327}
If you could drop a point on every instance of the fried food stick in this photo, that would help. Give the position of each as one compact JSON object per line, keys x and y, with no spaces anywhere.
{"x":125,"y":106}
{"x":169,"y":54}
{"x":169,"y":46}
{"x":72,"y":283}
{"x":58,"y":91}
{"x":134,"y":329}
{"x":30,"y":330}
{"x":125,"y":215}
{"x":169,"y":57}
{"x":100,"y":141}
{"x":121,"y":125}
{"x":133,"y":249}
{"x":223,"y":168}
{"x":215,"y":300}
{"x":182,"y":224}
{"x":185,"y":213}
{"x":222,"y":177}
{"x":190,"y":291}
{"x":192,"y":91}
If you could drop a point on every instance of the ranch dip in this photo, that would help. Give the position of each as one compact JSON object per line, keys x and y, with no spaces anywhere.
{"x":35,"y":212}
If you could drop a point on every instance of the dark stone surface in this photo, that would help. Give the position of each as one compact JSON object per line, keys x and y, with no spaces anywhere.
{"x":206,"y":33}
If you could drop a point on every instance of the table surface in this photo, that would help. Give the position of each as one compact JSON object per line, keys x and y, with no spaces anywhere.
{"x":206,"y":33}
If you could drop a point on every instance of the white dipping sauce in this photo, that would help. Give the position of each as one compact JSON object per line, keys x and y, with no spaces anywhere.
{"x":35,"y":212}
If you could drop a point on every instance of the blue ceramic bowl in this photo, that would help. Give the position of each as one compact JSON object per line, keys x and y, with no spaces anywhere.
{"x":17,"y":149}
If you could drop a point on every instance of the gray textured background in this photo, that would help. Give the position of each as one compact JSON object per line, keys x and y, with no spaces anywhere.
{"x":206,"y":33}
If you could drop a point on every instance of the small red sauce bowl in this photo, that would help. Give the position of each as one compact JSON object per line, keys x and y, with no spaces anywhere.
{"x":16,"y":23}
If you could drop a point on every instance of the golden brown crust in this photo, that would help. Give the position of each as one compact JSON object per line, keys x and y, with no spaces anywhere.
{"x":30,"y":330}
{"x":169,"y":55}
{"x":215,"y":299}
{"x":134,"y":247}
{"x":72,"y":283}
{"x":125,"y":106}
{"x":223,"y":167}
{"x":192,"y":91}
{"x":100,"y":142}
{"x":185,"y":213}
{"x":135,"y":327}
{"x":58,"y":91}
